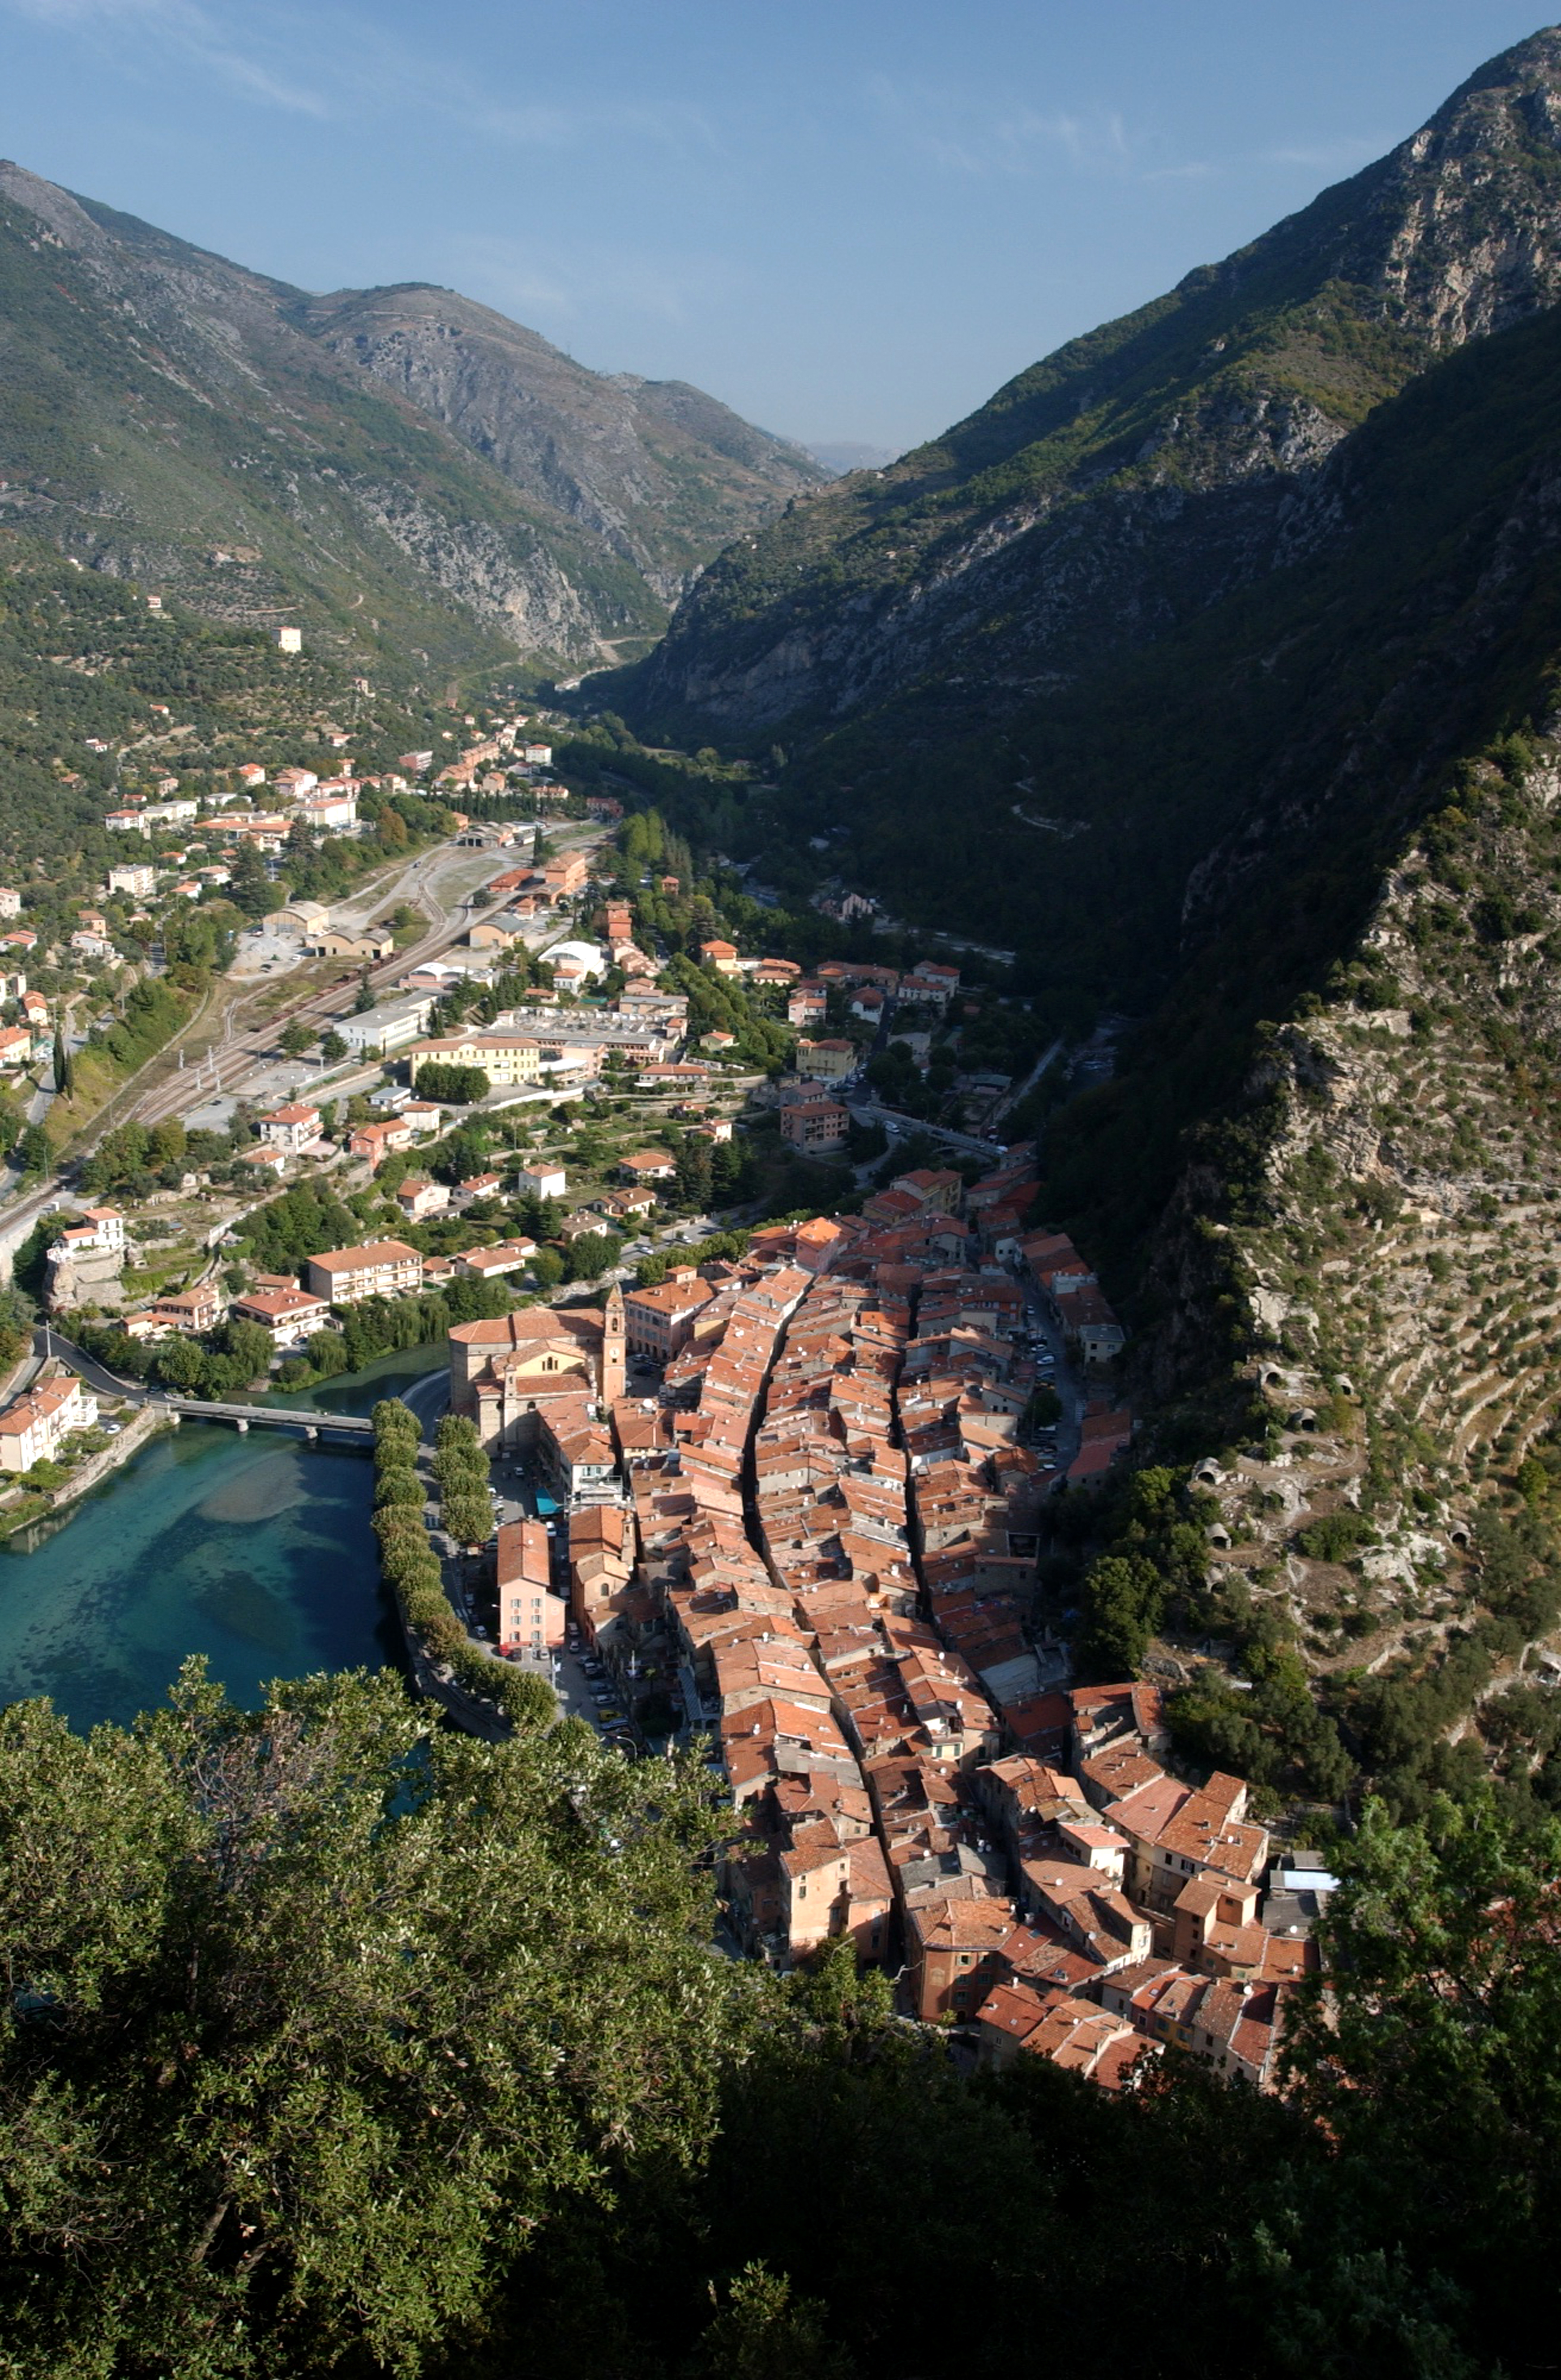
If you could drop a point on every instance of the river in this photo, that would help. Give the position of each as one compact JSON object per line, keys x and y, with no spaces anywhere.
{"x":255,"y":1550}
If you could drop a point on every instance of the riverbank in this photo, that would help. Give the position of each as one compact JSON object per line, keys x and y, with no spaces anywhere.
{"x":254,"y":1550}
{"x":23,"y":1507}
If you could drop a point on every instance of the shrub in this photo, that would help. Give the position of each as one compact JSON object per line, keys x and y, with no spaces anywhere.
{"x":1334,"y":1536}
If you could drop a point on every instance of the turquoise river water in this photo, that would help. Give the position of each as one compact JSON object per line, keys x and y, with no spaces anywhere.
{"x":255,"y":1550}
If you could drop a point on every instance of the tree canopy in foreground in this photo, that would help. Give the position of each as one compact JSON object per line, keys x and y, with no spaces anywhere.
{"x":334,"y":2045}
{"x":314,"y":2014}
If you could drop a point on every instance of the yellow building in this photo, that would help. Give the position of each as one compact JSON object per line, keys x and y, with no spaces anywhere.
{"x":505,"y":1057}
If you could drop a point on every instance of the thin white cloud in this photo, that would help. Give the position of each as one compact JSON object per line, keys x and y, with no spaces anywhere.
{"x":1326,"y":156}
{"x":968,"y":137}
{"x":138,"y":31}
{"x":336,"y":62}
{"x":670,"y":126}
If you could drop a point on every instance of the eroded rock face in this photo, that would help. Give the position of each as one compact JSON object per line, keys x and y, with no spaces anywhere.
{"x":245,"y":445}
{"x":1138,"y":475}
{"x":664,"y":475}
{"x":89,"y":1280}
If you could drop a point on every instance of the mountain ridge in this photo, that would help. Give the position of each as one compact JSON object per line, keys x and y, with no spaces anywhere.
{"x":660,"y":470}
{"x":161,"y":405}
{"x":1181,"y":438}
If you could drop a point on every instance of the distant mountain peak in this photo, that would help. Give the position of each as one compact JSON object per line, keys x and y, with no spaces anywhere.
{"x":379,"y":451}
{"x":842,"y":457}
{"x":1110,"y":491}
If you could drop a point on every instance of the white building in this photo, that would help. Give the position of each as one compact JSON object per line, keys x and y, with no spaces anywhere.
{"x":103,"y":1232}
{"x":34,"y":1429}
{"x":139,"y":881}
{"x":290,"y":1314}
{"x":542,"y":1181}
{"x":332,"y":808}
{"x":376,"y":1268}
{"x":290,"y":1129}
{"x":576,"y":959}
{"x":392,"y":1025}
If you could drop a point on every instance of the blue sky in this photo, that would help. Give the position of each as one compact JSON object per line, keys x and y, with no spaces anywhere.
{"x":850,"y":219}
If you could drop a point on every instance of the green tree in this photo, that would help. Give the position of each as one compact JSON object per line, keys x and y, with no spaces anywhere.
{"x":183,"y":1364}
{"x":249,"y":888}
{"x":327,"y":1353}
{"x":332,"y":1049}
{"x":295,"y":1039}
{"x":33,"y":1152}
{"x":763,"y":2333}
{"x":166,"y":1144}
{"x":695,"y":1170}
{"x":399,"y":1484}
{"x":292,"y":1999}
{"x":458,"y":1085}
{"x":1429,"y":2058}
{"x":592,"y":1253}
{"x":250,"y":1346}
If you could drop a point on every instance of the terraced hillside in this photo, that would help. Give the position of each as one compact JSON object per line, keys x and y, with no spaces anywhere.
{"x":1392,"y":1285}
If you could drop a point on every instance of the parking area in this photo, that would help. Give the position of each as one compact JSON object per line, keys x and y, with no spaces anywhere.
{"x":1059,"y":1443}
{"x":260,"y":953}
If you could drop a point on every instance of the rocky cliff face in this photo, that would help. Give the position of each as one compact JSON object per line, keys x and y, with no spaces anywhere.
{"x":406,"y":469}
{"x":1137,"y":476}
{"x":662,"y":474}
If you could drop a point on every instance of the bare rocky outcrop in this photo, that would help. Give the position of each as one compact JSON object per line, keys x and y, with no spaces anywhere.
{"x":403,"y":454}
{"x":1390,"y":1287}
{"x":661,"y":473}
{"x":84,"y":1280}
{"x":1138,"y":475}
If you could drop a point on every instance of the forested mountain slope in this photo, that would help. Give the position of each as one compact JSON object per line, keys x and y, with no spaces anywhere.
{"x":169,"y":416}
{"x":1114,"y":490}
{"x":100,"y":697}
{"x":1266,"y":752}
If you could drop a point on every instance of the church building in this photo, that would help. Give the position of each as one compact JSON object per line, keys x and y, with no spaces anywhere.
{"x":505,"y":1374}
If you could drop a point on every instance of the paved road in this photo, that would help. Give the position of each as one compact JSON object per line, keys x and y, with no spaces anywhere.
{"x":869,"y":1111}
{"x":1022,"y":1091}
{"x":97,"y":1375}
{"x":1065,"y":1379}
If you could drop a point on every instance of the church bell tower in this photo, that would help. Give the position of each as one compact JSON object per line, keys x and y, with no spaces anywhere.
{"x":614,"y":1359}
